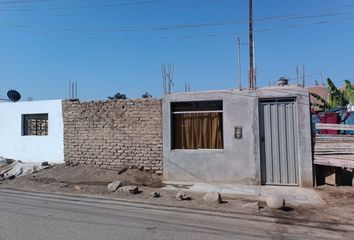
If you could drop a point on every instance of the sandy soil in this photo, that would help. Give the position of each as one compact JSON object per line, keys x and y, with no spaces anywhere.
{"x":94,"y":180}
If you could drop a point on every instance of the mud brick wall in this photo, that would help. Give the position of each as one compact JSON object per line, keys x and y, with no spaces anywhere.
{"x":114,"y":134}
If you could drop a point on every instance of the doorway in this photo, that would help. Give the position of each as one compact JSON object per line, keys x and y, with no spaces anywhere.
{"x":279,"y":141}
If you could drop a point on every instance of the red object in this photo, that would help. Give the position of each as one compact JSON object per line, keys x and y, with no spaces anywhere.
{"x":332,"y":118}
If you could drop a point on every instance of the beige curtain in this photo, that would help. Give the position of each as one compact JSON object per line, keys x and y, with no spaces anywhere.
{"x":198,"y":131}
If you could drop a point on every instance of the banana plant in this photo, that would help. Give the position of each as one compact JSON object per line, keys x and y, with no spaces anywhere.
{"x":323,"y":106}
{"x":349,"y":92}
{"x":336,"y":97}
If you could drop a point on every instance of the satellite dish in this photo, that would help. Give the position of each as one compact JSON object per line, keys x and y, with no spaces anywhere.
{"x":13,"y":95}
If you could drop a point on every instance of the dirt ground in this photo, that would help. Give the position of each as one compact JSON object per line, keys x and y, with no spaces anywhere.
{"x":81,"y":179}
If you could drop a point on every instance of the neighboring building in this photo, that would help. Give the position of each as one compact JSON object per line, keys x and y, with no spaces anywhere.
{"x":32,"y":131}
{"x":322,"y":91}
{"x":238,"y":137}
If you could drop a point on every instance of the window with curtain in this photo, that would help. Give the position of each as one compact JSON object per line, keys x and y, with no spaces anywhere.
{"x":197,"y":125}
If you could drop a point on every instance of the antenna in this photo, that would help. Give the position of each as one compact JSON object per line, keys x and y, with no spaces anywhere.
{"x":254,"y":65}
{"x":72,"y":90}
{"x":13,"y":95}
{"x":187,"y":87}
{"x":239,"y":63}
{"x":303,"y":75}
{"x":163,"y":73}
{"x":297,"y":75}
{"x":167,"y":77}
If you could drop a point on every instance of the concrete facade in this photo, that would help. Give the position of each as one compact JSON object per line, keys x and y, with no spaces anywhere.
{"x":114,"y":134}
{"x":31,"y":148}
{"x":239,"y":161}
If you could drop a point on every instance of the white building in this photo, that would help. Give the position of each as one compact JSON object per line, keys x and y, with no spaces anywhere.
{"x":32,"y":131}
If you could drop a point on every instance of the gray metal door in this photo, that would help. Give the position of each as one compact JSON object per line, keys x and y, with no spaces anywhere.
{"x":279,"y":162}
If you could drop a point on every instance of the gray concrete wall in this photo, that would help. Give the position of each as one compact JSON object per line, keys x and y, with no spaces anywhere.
{"x":239,"y":161}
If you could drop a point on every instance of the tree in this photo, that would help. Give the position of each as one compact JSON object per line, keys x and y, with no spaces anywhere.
{"x":146,"y":95}
{"x":118,"y":95}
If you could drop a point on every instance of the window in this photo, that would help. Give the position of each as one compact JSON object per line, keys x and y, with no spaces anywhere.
{"x":35,"y":124}
{"x":197,"y":125}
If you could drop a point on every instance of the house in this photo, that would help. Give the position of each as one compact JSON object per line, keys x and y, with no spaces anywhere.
{"x":238,"y":137}
{"x":32,"y":131}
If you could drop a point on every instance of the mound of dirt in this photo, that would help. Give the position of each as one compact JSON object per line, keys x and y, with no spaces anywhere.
{"x":88,"y":175}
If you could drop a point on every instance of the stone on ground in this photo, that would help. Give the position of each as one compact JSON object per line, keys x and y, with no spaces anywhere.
{"x":275,"y":202}
{"x":182,"y":196}
{"x":113,"y":186}
{"x":130,"y":189}
{"x":212,"y":197}
{"x":122,"y":170}
{"x":155,"y":194}
{"x":63,"y":185}
{"x":78,"y":188}
{"x":252,"y":205}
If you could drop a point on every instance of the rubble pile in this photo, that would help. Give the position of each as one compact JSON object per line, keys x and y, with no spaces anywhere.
{"x":10,"y":169}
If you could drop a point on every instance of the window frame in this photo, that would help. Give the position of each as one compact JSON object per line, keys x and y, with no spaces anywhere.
{"x":26,"y":132}
{"x":172,"y":130}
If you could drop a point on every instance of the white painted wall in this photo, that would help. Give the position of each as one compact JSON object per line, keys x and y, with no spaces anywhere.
{"x":31,"y":148}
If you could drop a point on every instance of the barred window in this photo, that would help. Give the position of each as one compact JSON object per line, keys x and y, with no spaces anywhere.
{"x":35,"y":124}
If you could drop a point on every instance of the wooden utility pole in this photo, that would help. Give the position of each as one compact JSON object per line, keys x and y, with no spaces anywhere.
{"x":251,"y":68}
{"x":239,"y":63}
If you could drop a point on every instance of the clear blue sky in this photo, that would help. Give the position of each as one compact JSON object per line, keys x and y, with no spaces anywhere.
{"x":118,"y":45}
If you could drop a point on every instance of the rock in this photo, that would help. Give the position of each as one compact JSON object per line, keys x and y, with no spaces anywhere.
{"x":63,"y":184}
{"x":78,"y":188}
{"x":113,"y":186}
{"x":182,"y":196}
{"x":155,"y":194}
{"x":130,"y":189}
{"x":252,"y":205}
{"x":45,"y":164}
{"x":122,"y":170}
{"x":275,"y":202}
{"x":212,"y":197}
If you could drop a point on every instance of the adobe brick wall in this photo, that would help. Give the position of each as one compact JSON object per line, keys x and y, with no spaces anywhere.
{"x":114,"y":133}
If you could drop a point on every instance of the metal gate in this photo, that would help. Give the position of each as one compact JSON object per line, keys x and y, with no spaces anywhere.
{"x":278,"y":133}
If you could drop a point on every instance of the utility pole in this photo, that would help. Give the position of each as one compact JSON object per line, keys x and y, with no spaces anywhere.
{"x":239,"y":63}
{"x":297,"y":75}
{"x":251,"y":68}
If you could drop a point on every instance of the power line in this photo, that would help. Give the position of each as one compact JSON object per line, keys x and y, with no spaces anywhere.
{"x":184,"y":26}
{"x":22,"y":2}
{"x":185,"y":36}
{"x":108,"y":5}
{"x":180,"y":26}
{"x":166,"y":27}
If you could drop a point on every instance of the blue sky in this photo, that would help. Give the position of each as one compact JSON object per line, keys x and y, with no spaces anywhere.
{"x":111,"y":46}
